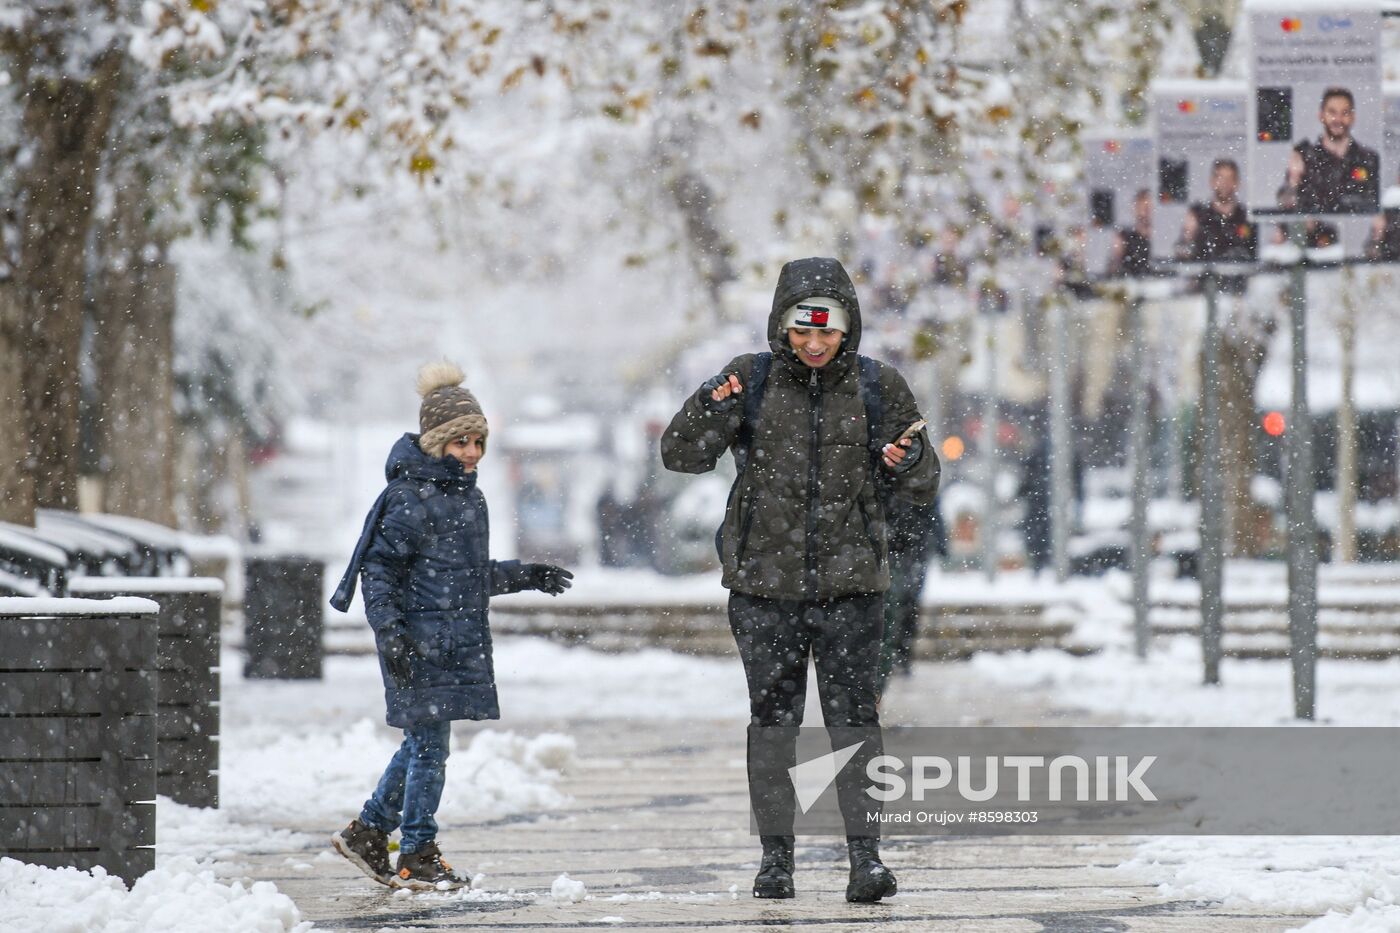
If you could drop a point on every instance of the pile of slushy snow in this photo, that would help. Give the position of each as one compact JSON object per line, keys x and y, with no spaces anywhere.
{"x":318,"y":776}
{"x":177,"y":893}
{"x":1350,"y":879}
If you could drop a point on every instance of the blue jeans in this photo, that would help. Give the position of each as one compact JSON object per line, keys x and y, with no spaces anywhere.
{"x":412,"y":785}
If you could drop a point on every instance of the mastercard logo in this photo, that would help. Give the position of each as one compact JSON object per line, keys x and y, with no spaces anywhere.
{"x":1265,"y":137}
{"x":1291,"y":24}
{"x":1242,"y":230}
{"x":1360,"y":174}
{"x":1186,"y":106}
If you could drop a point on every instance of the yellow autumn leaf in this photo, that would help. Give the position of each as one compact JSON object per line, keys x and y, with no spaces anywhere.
{"x":828,"y":40}
{"x":512,"y":79}
{"x":421,"y":163}
{"x":203,"y":6}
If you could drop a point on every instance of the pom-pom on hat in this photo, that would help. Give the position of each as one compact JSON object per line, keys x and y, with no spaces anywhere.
{"x":449,"y":410}
{"x":818,"y":312}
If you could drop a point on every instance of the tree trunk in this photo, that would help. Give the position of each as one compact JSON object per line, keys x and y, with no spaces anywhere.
{"x":135,"y":345}
{"x":1248,"y":525}
{"x":65,"y":126}
{"x":711,"y":251}
{"x":1346,"y":479}
{"x":16,"y":476}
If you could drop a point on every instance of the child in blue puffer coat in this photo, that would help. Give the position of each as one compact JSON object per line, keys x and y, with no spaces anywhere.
{"x":427,"y":580}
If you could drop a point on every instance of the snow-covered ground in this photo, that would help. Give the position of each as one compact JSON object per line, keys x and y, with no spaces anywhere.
{"x":306,"y":754}
{"x":1166,"y":689}
{"x":1355,"y":880}
{"x":298,"y":758}
{"x":180,"y":888}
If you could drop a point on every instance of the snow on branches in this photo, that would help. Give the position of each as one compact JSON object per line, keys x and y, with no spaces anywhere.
{"x":404,"y":74}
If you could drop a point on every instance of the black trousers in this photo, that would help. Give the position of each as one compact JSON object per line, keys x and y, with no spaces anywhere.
{"x":776,"y":637}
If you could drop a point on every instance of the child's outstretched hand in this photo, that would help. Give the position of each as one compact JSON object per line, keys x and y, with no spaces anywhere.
{"x":548,"y":578}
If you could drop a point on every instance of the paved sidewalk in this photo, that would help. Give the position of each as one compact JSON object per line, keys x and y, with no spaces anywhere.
{"x":658,"y":834}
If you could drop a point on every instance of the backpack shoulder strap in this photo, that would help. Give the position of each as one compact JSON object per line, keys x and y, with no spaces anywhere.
{"x":753,"y":400}
{"x":874,"y":401}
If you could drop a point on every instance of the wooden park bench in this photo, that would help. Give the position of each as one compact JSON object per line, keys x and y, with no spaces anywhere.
{"x":1354,"y":621}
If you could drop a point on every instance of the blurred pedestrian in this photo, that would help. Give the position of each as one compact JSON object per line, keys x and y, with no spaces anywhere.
{"x":915,"y":532}
{"x":1034,"y":493}
{"x":1131,"y":255}
{"x":427,"y":579}
{"x":815,"y":429}
{"x":614,"y":539}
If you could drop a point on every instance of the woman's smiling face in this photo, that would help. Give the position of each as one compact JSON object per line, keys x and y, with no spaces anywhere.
{"x":815,"y":346}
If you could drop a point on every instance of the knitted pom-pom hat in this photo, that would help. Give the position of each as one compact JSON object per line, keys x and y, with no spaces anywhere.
{"x":448,"y":411}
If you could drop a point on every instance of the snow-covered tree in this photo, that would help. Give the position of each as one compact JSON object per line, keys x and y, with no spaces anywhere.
{"x":63,"y":62}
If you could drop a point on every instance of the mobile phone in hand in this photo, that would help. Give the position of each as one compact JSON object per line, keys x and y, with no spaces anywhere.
{"x":913,"y":429}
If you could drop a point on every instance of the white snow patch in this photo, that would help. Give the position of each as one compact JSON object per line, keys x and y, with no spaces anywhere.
{"x":692,"y":897}
{"x":335,"y":770}
{"x":199,"y":832}
{"x":1319,"y":873}
{"x":538,"y":679}
{"x":61,"y":606}
{"x":166,"y":899}
{"x":1352,"y":879}
{"x":82,"y":586}
{"x":1167,"y":688}
{"x":565,"y":888}
{"x":1371,"y":917}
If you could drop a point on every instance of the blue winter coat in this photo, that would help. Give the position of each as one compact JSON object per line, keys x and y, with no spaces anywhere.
{"x":423,"y":557}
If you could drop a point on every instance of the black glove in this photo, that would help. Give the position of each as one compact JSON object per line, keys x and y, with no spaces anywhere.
{"x":548,"y":578}
{"x":914,"y":453}
{"x":708,"y":403}
{"x":397,"y":650}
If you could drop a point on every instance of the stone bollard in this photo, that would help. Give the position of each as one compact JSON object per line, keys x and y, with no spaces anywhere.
{"x":283,"y":617}
{"x":78,"y":733}
{"x":187,"y":727}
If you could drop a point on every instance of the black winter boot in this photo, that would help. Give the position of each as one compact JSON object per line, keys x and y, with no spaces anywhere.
{"x":425,"y":870}
{"x":774,"y":877}
{"x":367,"y":849}
{"x":870,"y":879}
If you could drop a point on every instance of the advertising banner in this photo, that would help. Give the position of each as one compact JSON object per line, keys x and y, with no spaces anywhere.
{"x":1202,"y":154}
{"x":1383,"y":240}
{"x":1316,"y":130}
{"x":1118,"y":172}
